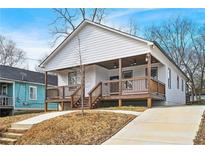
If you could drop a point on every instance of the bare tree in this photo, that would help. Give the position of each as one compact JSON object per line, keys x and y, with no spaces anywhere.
{"x":82,"y":75}
{"x":179,"y":37}
{"x":9,"y":54}
{"x":66,"y":20}
{"x":133,"y":28}
{"x":40,"y":60}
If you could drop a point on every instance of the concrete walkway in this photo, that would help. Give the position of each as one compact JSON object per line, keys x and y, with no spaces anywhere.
{"x":170,"y":125}
{"x":28,"y":123}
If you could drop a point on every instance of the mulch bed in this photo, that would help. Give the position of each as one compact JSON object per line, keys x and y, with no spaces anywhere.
{"x":92,"y":128}
{"x":200,"y":137}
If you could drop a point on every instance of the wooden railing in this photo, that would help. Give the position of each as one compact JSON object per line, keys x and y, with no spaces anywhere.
{"x":60,"y":92}
{"x":6,"y":101}
{"x":157,"y":87}
{"x":132,"y":86}
{"x":95,"y":94}
{"x":129,"y":86}
{"x":75,"y":97}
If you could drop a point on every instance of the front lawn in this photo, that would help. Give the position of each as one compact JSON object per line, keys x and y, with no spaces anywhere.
{"x":200,"y":138}
{"x":92,"y":128}
{"x":127,"y":108}
{"x":5,"y":122}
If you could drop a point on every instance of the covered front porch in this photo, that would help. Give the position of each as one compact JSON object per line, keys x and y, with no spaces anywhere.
{"x":131,"y":78}
{"x":6,"y":94}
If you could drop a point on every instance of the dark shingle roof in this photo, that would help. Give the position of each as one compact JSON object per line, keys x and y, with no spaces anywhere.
{"x":17,"y":74}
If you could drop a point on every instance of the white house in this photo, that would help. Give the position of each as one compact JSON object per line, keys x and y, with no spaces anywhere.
{"x":117,"y":66}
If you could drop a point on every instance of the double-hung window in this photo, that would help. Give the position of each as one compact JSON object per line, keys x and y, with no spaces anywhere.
{"x":169,"y":78}
{"x":72,"y":78}
{"x":177,"y":82}
{"x":32,"y":92}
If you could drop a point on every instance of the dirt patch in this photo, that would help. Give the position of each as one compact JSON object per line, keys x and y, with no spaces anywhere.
{"x":5,"y":122}
{"x":92,"y":128}
{"x":200,"y":137}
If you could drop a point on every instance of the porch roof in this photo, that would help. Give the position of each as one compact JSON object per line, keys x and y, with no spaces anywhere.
{"x":126,"y":62}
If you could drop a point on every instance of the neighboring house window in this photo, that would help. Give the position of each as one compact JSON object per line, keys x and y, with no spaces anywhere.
{"x":177,"y":82}
{"x":182,"y":85}
{"x":4,"y":90}
{"x":169,"y":78}
{"x":72,"y":78}
{"x":32,"y":93}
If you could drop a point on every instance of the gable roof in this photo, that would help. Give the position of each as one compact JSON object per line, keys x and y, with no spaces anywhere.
{"x":17,"y":74}
{"x":84,"y":22}
{"x":81,"y":25}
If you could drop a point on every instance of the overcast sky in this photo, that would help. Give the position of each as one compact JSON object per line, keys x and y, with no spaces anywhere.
{"x":31,"y":30}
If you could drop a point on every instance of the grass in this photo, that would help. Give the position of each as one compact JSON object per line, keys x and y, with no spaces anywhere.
{"x":200,"y":137}
{"x":92,"y":128}
{"x":128,"y":108}
{"x":5,"y":122}
{"x":199,"y":102}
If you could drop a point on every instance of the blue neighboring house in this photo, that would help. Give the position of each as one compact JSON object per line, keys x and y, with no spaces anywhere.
{"x":22,"y":89}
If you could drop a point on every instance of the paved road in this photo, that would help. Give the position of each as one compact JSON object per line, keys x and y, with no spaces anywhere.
{"x":170,"y":125}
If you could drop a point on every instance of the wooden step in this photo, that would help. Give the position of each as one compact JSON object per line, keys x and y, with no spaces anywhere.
{"x":11,"y":135}
{"x":7,"y":141}
{"x":17,"y":130}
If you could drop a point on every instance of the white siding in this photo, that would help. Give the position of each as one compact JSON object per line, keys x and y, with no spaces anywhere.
{"x":96,"y":45}
{"x":102,"y":74}
{"x":174,"y":96}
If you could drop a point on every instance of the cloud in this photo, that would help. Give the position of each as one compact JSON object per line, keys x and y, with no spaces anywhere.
{"x":121,"y":13}
{"x":33,"y":41}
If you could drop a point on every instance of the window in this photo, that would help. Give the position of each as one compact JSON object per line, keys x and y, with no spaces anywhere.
{"x":169,"y":78}
{"x":182,"y":85}
{"x":177,"y":82}
{"x":126,"y":75}
{"x":32,"y":93}
{"x":154,"y":72}
{"x":4,"y":90}
{"x":72,"y":78}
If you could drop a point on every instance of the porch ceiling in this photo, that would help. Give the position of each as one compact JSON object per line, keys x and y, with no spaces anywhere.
{"x":126,"y":62}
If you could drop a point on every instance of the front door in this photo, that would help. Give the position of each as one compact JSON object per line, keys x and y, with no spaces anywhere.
{"x":114,"y":86}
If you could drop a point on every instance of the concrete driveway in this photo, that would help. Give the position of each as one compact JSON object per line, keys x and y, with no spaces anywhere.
{"x":170,"y":125}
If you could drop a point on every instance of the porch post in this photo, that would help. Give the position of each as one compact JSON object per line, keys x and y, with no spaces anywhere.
{"x":46,"y":84}
{"x":120,"y":82}
{"x":149,"y":100}
{"x":148,"y":71}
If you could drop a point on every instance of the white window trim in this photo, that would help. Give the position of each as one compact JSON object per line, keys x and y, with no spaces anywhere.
{"x":4,"y":85}
{"x":34,"y":87}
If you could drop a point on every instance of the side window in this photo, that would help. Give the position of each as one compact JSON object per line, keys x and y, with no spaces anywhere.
{"x":169,"y":78}
{"x":72,"y":78}
{"x":182,"y":85}
{"x":177,"y":82}
{"x":32,"y":93}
